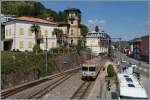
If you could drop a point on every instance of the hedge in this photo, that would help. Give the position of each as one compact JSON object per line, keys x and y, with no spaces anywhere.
{"x":110,"y":70}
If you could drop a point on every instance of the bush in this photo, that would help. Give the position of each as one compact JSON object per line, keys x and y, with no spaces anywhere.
{"x":36,"y":48}
{"x":54,"y":50}
{"x":18,"y":50}
{"x":79,"y":44}
{"x":7,"y":67}
{"x":57,"y":50}
{"x":26,"y":51}
{"x":110,"y":70}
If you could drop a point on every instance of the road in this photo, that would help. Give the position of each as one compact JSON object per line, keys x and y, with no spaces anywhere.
{"x":142,"y":68}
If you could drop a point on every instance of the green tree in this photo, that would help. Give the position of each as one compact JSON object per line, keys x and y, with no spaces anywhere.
{"x":84,"y":31}
{"x":36,"y":30}
{"x":31,"y":8}
{"x":110,"y":70}
{"x":79,"y":44}
{"x":61,"y":16}
{"x":59,"y":35}
{"x":96,"y":28}
{"x":110,"y":53}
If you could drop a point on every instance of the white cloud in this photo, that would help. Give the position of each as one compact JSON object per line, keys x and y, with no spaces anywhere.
{"x":93,"y":22}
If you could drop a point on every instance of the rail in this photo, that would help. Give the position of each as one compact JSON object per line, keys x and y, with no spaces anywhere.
{"x":10,"y":91}
{"x":81,"y":91}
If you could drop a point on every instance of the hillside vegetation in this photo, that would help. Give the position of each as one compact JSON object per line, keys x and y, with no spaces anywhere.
{"x":31,"y":8}
{"x":19,"y":67}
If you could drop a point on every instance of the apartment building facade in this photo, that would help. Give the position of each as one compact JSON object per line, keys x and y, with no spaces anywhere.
{"x":98,"y":42}
{"x":18,"y":34}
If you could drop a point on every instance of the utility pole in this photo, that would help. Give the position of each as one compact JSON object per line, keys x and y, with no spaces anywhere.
{"x":46,"y":65}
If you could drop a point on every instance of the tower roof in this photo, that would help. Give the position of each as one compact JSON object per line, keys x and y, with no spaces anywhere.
{"x":73,"y":9}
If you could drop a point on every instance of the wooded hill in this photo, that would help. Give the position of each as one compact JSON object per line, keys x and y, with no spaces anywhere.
{"x":30,"y":8}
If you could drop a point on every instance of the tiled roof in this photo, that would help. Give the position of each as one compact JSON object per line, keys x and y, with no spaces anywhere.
{"x":88,"y":62}
{"x":38,"y":20}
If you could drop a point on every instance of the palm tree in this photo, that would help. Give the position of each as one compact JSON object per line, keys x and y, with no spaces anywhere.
{"x":59,"y":35}
{"x":36,"y":29}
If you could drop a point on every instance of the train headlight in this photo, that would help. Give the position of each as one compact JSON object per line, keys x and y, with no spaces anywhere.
{"x":93,"y":73}
{"x":83,"y":73}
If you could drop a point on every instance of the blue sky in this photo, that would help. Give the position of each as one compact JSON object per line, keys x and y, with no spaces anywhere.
{"x":119,"y":19}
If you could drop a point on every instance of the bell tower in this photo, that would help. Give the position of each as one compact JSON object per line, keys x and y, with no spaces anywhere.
{"x":73,"y":20}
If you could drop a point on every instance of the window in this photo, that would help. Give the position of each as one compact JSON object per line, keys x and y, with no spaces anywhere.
{"x":6,"y":32}
{"x":53,"y":44}
{"x":21,"y":44}
{"x":129,"y":79}
{"x":131,"y":85}
{"x":30,"y":32}
{"x":21,"y":31}
{"x":84,"y":68}
{"x":91,"y":68}
{"x":126,"y":76}
{"x":10,"y":32}
{"x":46,"y":33}
{"x":30,"y":44}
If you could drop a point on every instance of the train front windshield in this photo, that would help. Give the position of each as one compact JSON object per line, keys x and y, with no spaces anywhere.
{"x":92,"y":69}
{"x":84,"y":68}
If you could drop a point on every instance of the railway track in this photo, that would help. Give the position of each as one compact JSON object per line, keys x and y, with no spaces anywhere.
{"x":42,"y":92}
{"x":82,"y":90}
{"x":37,"y":94}
{"x":8,"y":93}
